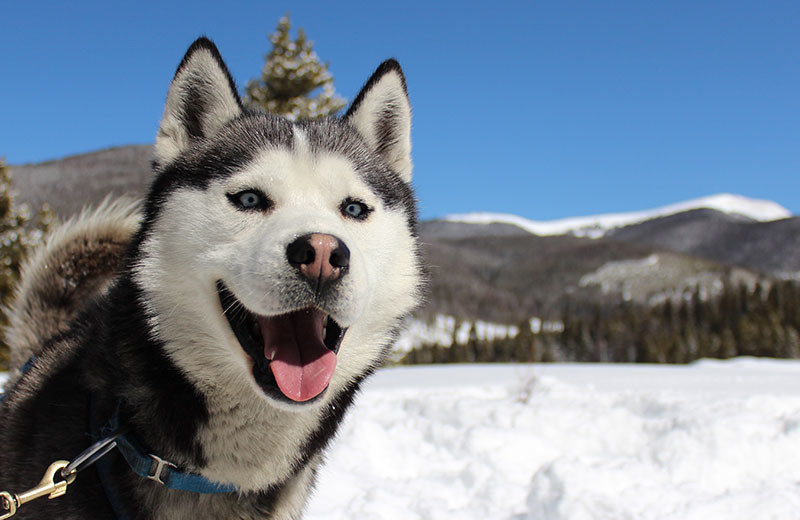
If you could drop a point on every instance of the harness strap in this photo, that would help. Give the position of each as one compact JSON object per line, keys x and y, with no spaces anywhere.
{"x":140,"y":463}
{"x":153,"y":467}
{"x":165,"y":472}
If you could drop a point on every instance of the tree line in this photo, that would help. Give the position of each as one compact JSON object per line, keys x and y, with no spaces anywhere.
{"x":760,"y":320}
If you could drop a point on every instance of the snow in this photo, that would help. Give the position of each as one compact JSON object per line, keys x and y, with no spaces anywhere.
{"x":710,"y":440}
{"x":596,"y":226}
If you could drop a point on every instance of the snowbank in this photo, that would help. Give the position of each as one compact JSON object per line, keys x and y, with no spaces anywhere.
{"x":714,"y":440}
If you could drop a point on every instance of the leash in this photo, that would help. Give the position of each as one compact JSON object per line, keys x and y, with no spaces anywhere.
{"x":62,"y":473}
{"x":58,"y":476}
{"x":49,"y":486}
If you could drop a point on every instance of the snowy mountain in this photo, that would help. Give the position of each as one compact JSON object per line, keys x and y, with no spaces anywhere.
{"x":502,"y":272}
{"x":596,"y":226}
{"x":770,"y":247}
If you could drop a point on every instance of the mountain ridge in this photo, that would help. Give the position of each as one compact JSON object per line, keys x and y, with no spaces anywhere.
{"x":596,"y":226}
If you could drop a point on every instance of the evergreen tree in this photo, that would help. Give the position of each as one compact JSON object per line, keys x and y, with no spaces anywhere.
{"x":17,"y":234}
{"x":524,"y":343}
{"x":291,"y":74}
{"x":472,"y":345}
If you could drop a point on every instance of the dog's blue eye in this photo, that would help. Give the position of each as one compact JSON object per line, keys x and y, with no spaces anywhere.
{"x":250,"y":200}
{"x":355,"y":209}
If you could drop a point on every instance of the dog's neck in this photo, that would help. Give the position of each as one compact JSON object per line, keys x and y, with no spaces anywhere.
{"x":131,"y":371}
{"x":224,"y":431}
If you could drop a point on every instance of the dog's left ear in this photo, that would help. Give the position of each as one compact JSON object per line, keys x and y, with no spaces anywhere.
{"x":201,"y":99}
{"x":382,"y":115}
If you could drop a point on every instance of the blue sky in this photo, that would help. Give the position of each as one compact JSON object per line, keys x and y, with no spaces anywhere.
{"x":542,"y":109}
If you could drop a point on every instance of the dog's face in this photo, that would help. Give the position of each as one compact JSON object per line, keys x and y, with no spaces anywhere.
{"x":275,"y":255}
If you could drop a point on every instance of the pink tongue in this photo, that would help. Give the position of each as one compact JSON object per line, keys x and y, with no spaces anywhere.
{"x":301,"y":363}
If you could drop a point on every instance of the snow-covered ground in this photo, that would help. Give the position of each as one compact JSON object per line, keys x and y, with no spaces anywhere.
{"x":595,"y":226}
{"x":712,"y":440}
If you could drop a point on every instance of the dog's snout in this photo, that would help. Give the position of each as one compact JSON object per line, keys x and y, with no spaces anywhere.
{"x":319,"y":257}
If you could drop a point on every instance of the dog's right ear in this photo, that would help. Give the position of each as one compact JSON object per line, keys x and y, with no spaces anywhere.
{"x":381,"y":113}
{"x":201,"y":99}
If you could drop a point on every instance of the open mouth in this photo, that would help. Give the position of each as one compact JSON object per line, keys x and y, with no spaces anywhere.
{"x":294,"y":354}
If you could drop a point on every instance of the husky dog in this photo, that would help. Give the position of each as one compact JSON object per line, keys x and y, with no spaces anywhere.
{"x":228,"y":324}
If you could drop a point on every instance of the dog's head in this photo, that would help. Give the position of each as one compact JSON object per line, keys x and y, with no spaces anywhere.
{"x":278,"y":253}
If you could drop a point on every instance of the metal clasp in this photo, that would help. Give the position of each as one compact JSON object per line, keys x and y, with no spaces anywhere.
{"x":46,"y":487}
{"x":155,"y":474}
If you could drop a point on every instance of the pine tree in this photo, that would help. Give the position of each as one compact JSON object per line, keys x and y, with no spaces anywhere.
{"x":291,"y":74}
{"x":524,"y":343}
{"x":17,"y":234}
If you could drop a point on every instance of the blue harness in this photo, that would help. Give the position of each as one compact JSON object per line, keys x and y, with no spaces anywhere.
{"x":153,"y":467}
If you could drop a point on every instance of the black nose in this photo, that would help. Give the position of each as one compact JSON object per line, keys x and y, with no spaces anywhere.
{"x":319,"y":257}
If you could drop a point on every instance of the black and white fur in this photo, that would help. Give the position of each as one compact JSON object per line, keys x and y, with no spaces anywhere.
{"x":153,"y":336}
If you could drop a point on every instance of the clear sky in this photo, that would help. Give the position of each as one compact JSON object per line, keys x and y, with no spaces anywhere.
{"x":542,"y":109}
